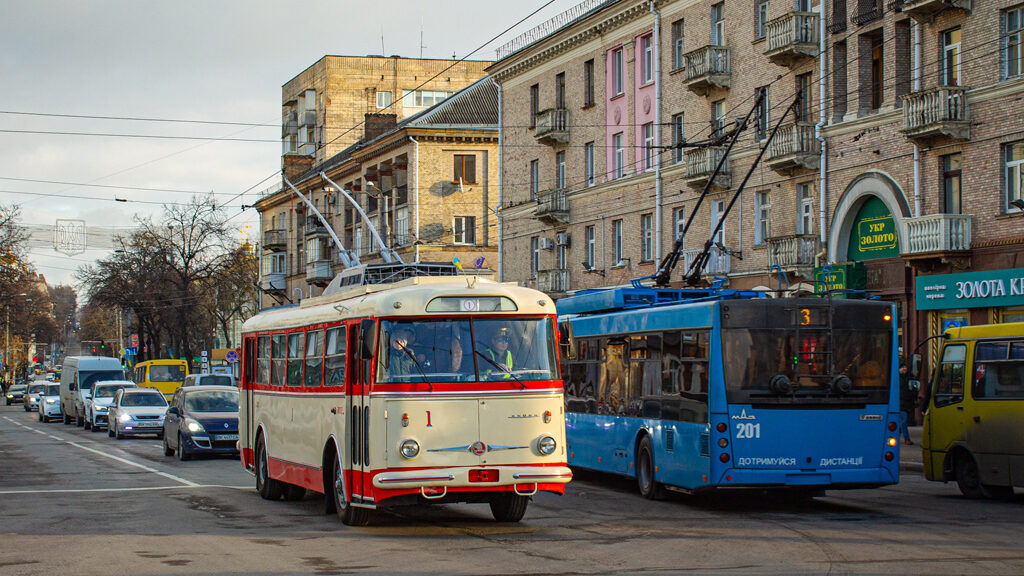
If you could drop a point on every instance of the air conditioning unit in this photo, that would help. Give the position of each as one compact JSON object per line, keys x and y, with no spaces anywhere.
{"x":563,"y":239}
{"x":547,"y":244}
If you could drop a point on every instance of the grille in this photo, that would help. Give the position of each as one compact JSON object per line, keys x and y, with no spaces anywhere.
{"x":670,"y":439}
{"x":705,"y":444}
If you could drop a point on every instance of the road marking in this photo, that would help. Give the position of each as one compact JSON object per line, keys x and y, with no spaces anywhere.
{"x":136,"y":489}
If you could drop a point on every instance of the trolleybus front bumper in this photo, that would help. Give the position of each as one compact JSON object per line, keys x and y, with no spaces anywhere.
{"x":460,"y":477}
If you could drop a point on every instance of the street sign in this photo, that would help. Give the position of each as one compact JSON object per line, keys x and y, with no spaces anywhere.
{"x":135,"y":340}
{"x":204,"y":354}
{"x":131,"y":351}
{"x":231,"y":356}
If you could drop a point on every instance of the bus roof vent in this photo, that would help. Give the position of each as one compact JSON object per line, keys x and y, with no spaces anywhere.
{"x":373,"y":274}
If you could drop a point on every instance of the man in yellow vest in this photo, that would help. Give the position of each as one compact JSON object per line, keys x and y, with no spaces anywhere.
{"x":499,"y":353}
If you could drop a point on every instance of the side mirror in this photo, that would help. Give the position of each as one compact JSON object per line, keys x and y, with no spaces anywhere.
{"x":367,"y":339}
{"x":173,"y":410}
{"x":571,"y":340}
{"x":915,"y":366}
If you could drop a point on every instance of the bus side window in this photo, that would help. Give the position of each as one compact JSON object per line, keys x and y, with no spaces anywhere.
{"x":249,"y":368}
{"x":296,"y":341}
{"x":334,"y":359}
{"x":262,"y":374}
{"x":949,"y":388}
{"x":278,"y":347}
{"x":314,"y":373}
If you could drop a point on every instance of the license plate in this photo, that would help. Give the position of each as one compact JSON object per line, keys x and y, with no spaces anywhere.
{"x":148,"y":424}
{"x":226,"y":437}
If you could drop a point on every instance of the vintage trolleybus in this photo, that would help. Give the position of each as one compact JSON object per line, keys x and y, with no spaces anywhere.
{"x":411,"y":390}
{"x":697,"y":390}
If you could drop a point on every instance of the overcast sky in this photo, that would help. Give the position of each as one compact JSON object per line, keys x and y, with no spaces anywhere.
{"x":206,"y":60}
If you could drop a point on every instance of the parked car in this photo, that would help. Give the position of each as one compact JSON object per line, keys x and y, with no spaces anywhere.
{"x":32,"y":395}
{"x":202,"y":420}
{"x":49,"y":402}
{"x":209,"y":380}
{"x":136,"y":411}
{"x":102,"y":395}
{"x":16,"y":394}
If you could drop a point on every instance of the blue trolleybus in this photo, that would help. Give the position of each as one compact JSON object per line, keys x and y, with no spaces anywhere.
{"x":693,"y":390}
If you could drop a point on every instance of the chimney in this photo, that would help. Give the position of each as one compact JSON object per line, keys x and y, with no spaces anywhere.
{"x":377,"y":124}
{"x":294,"y":165}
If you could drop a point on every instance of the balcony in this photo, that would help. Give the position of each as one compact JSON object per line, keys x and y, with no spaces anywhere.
{"x":553,"y":206}
{"x":274,"y":239}
{"x":719,"y":263}
{"x":926,"y":10}
{"x":794,"y":148}
{"x":319,"y":272}
{"x":794,"y":253}
{"x":315,"y":229}
{"x":938,"y":236}
{"x":553,"y":282}
{"x":552,"y":126}
{"x":307,"y":118}
{"x":700,"y":165}
{"x":273,"y":283}
{"x":937,"y":112}
{"x":707,"y":68}
{"x":792,"y":38}
{"x":867,"y":12}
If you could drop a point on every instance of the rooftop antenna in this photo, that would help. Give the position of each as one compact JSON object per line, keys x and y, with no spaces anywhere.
{"x":382,"y":50}
{"x":422,"y":45}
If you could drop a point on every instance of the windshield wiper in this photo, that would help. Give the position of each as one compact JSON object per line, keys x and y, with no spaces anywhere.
{"x":430,"y":387}
{"x":500,"y":367}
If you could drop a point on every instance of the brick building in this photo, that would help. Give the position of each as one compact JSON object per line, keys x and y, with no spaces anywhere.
{"x":427,"y":186}
{"x":899,"y":162}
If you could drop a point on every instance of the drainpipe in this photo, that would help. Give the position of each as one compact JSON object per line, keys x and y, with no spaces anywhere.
{"x":497,"y":209}
{"x":657,"y":134}
{"x":416,"y":192}
{"x":822,"y":143}
{"x":917,"y":151}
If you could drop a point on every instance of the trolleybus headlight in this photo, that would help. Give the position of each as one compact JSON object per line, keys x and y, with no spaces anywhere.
{"x":546,"y":445}
{"x":409,"y":449}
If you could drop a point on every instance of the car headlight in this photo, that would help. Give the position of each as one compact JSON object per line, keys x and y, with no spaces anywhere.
{"x":100,"y":408}
{"x":124,"y":418}
{"x":193,"y":426}
{"x":51,"y":401}
{"x":546,"y":445}
{"x":409,"y":449}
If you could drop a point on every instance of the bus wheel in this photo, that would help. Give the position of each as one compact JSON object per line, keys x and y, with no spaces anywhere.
{"x":968,"y":479}
{"x":294,"y":493}
{"x":645,"y":471}
{"x":509,"y":506}
{"x":350,"y":515}
{"x":268,"y":488}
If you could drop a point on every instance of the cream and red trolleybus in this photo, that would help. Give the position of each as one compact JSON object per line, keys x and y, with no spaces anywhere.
{"x":405,"y":384}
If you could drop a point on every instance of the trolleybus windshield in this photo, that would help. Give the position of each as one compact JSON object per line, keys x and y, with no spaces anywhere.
{"x":460,"y":350}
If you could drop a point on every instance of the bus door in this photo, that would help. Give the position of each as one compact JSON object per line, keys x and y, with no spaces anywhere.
{"x":946,"y":412}
{"x":362,"y":341}
{"x":247,"y":377}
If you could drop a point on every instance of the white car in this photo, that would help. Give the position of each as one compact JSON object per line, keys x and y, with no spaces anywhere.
{"x":136,"y":411}
{"x":32,"y":395}
{"x":102,"y":396}
{"x":49,"y":403}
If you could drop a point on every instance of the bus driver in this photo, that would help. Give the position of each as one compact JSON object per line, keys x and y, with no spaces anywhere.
{"x":498,"y":351}
{"x":402,"y":361}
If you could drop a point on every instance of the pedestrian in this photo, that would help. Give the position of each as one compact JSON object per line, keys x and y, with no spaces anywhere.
{"x":908,"y":398}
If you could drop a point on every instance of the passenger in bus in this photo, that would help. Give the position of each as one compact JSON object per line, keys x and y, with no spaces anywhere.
{"x":498,"y":353}
{"x":402,"y":358}
{"x":451,"y":357}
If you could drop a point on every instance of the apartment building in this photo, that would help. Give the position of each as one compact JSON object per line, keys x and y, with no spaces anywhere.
{"x":419,"y":190}
{"x":894,"y":168}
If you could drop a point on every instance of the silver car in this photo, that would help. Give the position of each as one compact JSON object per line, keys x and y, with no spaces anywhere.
{"x":32,"y":395}
{"x":102,"y":396}
{"x":136,"y":411}
{"x":49,"y":402}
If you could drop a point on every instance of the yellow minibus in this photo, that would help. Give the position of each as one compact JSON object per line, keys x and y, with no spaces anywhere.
{"x":164,"y":375}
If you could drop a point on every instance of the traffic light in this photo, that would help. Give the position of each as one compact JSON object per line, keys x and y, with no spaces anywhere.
{"x":93,"y":350}
{"x":103,"y":345}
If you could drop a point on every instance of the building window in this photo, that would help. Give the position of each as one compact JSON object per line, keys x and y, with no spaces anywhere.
{"x":620,"y":156}
{"x":560,"y":90}
{"x":618,"y":81}
{"x":760,"y":18}
{"x":763,"y":110}
{"x":357,"y":243}
{"x":560,"y":170}
{"x":876,"y":73}
{"x":805,"y":209}
{"x":402,"y":226}
{"x":718,"y":24}
{"x":717,"y":118}
{"x":678,"y":222}
{"x":534,"y":104}
{"x":647,"y":237}
{"x":717,"y":213}
{"x":465,"y":230}
{"x":588,"y":156}
{"x":647,"y":62}
{"x":561,"y":256}
{"x":383,"y":99}
{"x":649,"y":151}
{"x":762,"y":230}
{"x":802,"y":5}
{"x":534,"y":179}
{"x":678,"y":46}
{"x":803,"y":87}
{"x":678,"y":137}
{"x":617,"y":243}
{"x":590,"y":237}
{"x":1014,"y":174}
{"x":424,"y":98}
{"x":465,"y":168}
{"x":588,"y":83}
{"x":1013,"y":44}
{"x":951,"y":57}
{"x":534,"y":256}
{"x":951,"y":195}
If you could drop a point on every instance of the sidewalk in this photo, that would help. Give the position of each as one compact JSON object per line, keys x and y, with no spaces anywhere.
{"x":910,"y":456}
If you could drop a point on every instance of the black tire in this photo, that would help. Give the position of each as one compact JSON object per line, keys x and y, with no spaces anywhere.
{"x":968,"y":479}
{"x":168,"y":451}
{"x":88,"y":424}
{"x":95,"y":428}
{"x":110,"y":430}
{"x":349,"y":514}
{"x":117,"y":433}
{"x":509,"y":506}
{"x":293,"y":493}
{"x":79,"y":420}
{"x":182,"y":454}
{"x":268,"y":488}
{"x":67,"y":418}
{"x":645,"y":481}
{"x":40,"y":416}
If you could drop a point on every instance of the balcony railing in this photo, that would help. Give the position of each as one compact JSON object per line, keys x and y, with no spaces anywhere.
{"x":553,"y":281}
{"x":274,"y":239}
{"x":700,"y":165}
{"x":552,"y":126}
{"x":706,"y":68}
{"x":718,"y":264}
{"x":273,"y":282}
{"x":796,"y":251}
{"x":939,"y":111}
{"x":792,"y":37}
{"x":315,"y":228}
{"x":794,"y":147}
{"x":928,"y":9}
{"x":319,"y":272}
{"x":867,"y":13}
{"x":938,"y":233}
{"x":553,"y":206}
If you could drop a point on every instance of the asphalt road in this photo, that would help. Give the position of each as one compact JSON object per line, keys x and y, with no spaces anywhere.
{"x":79,"y":503}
